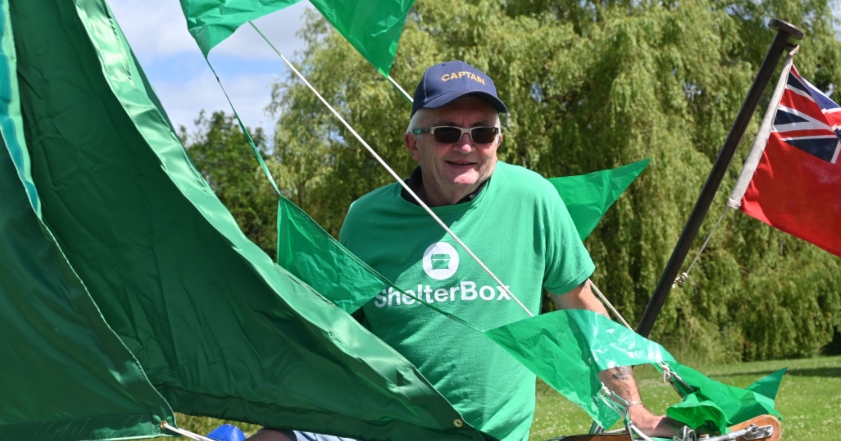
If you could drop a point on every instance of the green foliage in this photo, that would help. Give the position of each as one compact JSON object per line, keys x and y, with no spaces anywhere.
{"x":591,"y":85}
{"x":221,"y":153}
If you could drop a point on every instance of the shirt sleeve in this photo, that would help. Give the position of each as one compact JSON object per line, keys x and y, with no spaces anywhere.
{"x":568,"y":264}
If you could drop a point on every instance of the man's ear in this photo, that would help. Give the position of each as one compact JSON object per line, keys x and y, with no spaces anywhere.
{"x":411,"y":143}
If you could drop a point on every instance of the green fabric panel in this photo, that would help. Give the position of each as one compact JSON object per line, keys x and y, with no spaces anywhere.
{"x":219,"y":328}
{"x":64,"y":374}
{"x":568,"y":348}
{"x":212,"y":21}
{"x":588,"y":197}
{"x":713,"y":406}
{"x":311,"y":254}
{"x":11,"y":124}
{"x":769,"y":385}
{"x":373,"y":27}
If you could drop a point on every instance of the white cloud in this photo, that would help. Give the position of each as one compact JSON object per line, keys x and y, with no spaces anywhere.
{"x":154,"y":29}
{"x":157,"y":32}
{"x":279,"y":28}
{"x":161,"y":30}
{"x":249,"y":93}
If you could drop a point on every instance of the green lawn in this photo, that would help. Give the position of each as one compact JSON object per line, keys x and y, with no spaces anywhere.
{"x":809,"y":400}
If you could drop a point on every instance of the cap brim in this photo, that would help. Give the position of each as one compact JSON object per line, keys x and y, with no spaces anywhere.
{"x":447,"y":98}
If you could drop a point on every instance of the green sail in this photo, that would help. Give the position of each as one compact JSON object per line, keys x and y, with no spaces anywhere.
{"x":219,"y":329}
{"x":64,"y":374}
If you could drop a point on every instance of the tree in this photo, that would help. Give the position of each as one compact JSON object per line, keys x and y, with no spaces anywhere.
{"x":221,"y":153}
{"x":595,"y":85}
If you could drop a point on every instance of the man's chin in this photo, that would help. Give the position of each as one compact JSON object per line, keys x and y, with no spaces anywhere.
{"x":464,"y":182}
{"x":465,"y":177}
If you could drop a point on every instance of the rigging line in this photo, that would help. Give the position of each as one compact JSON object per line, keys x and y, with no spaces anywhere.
{"x":395,"y":176}
{"x":182,"y":432}
{"x":609,"y":305}
{"x":400,"y":89}
{"x":245,"y":132}
{"x":663,"y":366}
{"x":682,"y":278}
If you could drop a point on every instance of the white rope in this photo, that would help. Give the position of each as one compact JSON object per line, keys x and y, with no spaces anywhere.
{"x":639,"y":433}
{"x":609,"y":305}
{"x":408,"y":97}
{"x":683,"y":276}
{"x":182,"y":432}
{"x":667,"y":372}
{"x":397,"y":177}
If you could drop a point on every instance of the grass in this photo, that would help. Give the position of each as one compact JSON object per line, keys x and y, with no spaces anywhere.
{"x":809,"y":400}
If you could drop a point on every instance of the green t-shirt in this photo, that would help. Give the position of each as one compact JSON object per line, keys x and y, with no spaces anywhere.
{"x":520,"y":228}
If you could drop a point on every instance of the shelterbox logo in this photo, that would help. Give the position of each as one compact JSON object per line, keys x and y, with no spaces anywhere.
{"x":440,"y":261}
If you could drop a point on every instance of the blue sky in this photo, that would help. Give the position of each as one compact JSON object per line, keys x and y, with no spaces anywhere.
{"x":157,"y":32}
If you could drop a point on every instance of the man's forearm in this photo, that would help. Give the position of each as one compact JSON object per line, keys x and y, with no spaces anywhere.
{"x":622,"y":382}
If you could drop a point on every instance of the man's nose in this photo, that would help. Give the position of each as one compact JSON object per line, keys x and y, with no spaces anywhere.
{"x":465,"y":143}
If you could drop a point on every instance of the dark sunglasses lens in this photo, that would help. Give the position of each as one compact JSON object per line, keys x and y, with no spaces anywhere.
{"x":447,"y":135}
{"x":484,"y":135}
{"x":481,"y":135}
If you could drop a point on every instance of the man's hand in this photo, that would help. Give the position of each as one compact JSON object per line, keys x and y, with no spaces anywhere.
{"x":659,"y":426}
{"x":621,"y":381}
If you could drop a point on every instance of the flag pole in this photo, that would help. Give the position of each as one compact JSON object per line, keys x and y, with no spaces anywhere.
{"x":755,"y":155}
{"x":766,"y":70}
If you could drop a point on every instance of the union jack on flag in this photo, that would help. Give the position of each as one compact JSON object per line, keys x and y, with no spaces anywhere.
{"x":808,"y":120}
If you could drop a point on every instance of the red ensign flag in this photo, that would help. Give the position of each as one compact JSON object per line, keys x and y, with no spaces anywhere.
{"x":797,"y":184}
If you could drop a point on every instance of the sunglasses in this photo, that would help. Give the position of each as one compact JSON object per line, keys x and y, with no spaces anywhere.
{"x":450,"y":134}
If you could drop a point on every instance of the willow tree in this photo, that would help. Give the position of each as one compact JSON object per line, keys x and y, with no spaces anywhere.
{"x":595,"y":85}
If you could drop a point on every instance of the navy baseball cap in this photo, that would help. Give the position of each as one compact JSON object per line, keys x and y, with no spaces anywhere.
{"x":443,"y":83}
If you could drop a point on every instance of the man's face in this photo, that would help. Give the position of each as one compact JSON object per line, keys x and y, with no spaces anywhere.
{"x":452,"y":171}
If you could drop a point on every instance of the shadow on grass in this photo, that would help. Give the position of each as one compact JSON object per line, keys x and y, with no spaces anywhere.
{"x":796,"y":372}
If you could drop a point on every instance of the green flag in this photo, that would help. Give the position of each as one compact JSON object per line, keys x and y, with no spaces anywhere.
{"x":212,"y":21}
{"x":568,"y":348}
{"x":373,"y":27}
{"x":713,"y":406}
{"x":311,"y":254}
{"x":588,"y":197}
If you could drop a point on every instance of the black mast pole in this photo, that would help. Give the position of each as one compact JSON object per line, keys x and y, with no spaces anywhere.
{"x":766,"y":70}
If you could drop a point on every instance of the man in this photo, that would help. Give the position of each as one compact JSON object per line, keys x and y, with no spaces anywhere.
{"x":511,"y":218}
